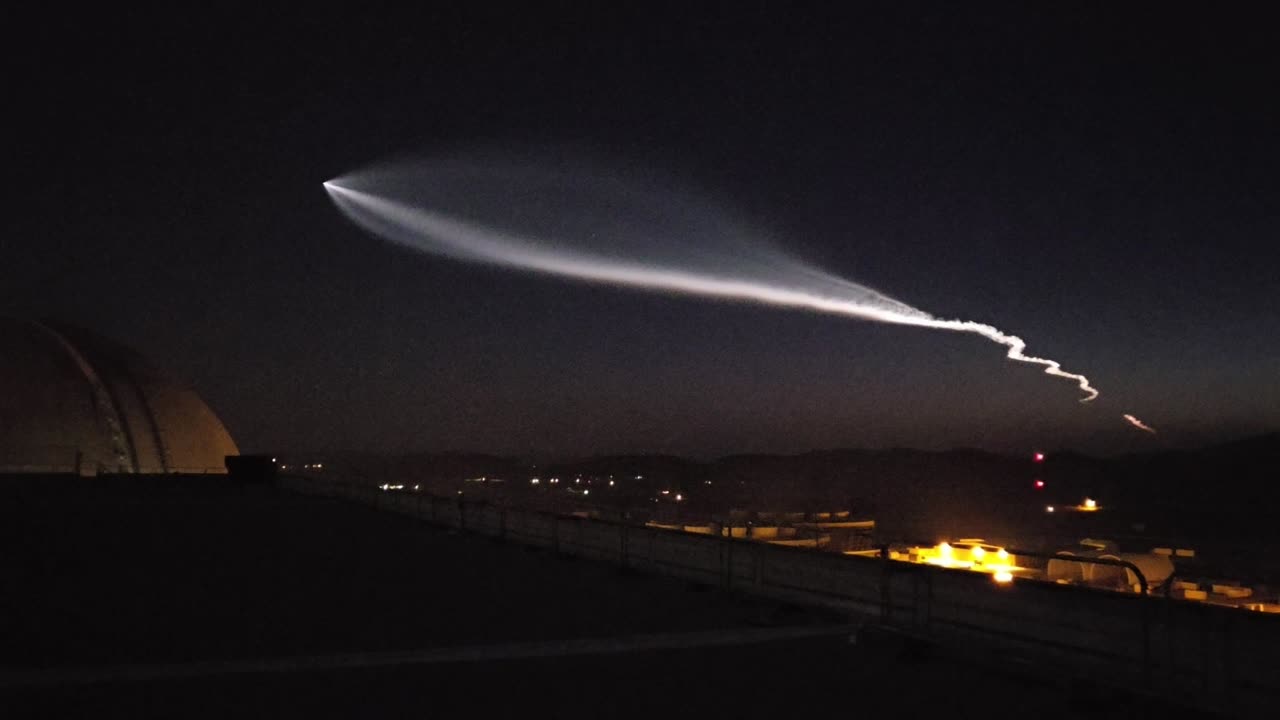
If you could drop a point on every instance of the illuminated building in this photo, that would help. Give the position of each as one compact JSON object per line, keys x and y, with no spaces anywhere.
{"x":965,"y":554}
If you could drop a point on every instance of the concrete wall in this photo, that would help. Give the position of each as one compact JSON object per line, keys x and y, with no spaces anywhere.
{"x":1218,"y":657}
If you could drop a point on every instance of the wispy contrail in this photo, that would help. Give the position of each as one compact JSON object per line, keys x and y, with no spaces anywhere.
{"x":1139,"y":424}
{"x":788,"y":284}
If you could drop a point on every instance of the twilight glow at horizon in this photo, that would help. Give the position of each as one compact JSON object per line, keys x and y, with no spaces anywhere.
{"x":431,"y":209}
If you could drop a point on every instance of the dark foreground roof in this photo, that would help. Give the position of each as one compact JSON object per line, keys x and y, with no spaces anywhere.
{"x":182,"y":598}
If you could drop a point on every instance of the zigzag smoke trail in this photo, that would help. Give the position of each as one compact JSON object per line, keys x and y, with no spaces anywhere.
{"x":436,"y":233}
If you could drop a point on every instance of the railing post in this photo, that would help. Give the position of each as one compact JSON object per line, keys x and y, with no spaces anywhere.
{"x":728,"y":564}
{"x":886,"y":610}
{"x":1228,"y":660}
{"x":1146,"y":638}
{"x":1205,"y":663}
{"x":624,"y":545}
{"x":915,"y":601}
{"x":928,"y":612}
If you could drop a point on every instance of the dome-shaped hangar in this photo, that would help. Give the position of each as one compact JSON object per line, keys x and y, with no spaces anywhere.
{"x":71,"y":401}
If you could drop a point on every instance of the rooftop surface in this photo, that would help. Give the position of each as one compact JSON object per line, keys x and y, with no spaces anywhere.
{"x":181,"y":597}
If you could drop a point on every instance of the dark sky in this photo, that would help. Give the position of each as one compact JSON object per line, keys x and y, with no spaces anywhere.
{"x":1104,"y":186}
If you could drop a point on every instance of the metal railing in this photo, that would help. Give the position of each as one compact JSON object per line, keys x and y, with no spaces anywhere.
{"x":1213,"y":656}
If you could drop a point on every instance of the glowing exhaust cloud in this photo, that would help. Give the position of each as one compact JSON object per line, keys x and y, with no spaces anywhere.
{"x":1139,"y":424}
{"x":745,"y":274}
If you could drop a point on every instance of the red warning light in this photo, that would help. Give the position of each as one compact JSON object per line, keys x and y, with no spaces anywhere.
{"x":1039,"y":484}
{"x":1039,"y":457}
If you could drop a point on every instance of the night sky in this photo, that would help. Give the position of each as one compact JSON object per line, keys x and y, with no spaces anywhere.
{"x":1104,"y":186}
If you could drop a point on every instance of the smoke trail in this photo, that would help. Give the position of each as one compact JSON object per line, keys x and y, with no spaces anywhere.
{"x":1139,"y":424}
{"x":784,"y":282}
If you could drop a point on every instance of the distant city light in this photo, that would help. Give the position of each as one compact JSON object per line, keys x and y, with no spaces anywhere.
{"x":1049,"y":509}
{"x":1090,"y":504}
{"x":679,"y":497}
{"x":1038,"y":457}
{"x":534,"y":481}
{"x":1039,"y":484}
{"x":666,"y":492}
{"x":586,"y":492}
{"x":610,"y":483}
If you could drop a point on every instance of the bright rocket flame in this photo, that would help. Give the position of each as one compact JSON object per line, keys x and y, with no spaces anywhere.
{"x":1139,"y":424}
{"x":434,"y":232}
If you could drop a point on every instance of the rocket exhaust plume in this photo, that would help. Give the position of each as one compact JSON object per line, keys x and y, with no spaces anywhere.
{"x":1139,"y":424}
{"x":598,"y":229}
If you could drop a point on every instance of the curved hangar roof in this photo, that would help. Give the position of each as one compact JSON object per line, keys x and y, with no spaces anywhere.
{"x":71,"y":401}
